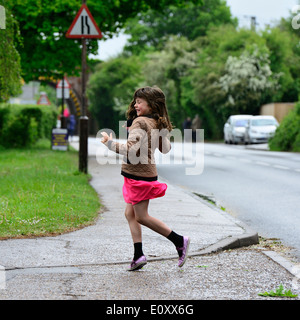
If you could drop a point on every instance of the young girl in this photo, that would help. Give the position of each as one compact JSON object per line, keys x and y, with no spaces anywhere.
{"x":148,"y":123}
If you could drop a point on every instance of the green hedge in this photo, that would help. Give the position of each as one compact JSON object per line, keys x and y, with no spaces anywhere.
{"x":23,"y":125}
{"x":287,"y":135}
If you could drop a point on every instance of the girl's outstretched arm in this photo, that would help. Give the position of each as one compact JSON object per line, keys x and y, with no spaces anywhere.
{"x":134,"y":141}
{"x":106,"y":137}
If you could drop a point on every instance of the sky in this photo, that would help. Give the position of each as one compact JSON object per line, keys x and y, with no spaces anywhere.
{"x":265,"y":12}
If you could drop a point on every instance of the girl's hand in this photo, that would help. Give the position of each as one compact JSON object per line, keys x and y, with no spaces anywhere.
{"x":106,"y":137}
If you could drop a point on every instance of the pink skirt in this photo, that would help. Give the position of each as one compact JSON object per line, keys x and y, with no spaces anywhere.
{"x":135,"y":191}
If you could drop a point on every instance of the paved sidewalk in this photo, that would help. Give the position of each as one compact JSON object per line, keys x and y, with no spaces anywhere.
{"x":91,"y":263}
{"x":109,"y":240}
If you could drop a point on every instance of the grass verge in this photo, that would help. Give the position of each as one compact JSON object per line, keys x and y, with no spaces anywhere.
{"x":42,"y":193}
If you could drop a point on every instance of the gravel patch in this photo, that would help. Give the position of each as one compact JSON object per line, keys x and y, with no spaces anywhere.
{"x":230,"y":275}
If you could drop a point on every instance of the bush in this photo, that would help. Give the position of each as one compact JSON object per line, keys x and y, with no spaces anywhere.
{"x":287,"y":135}
{"x":23,"y":125}
{"x":296,"y":144}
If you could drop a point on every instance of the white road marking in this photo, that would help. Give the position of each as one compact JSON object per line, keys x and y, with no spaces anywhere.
{"x":280,"y":167}
{"x":262,"y":163}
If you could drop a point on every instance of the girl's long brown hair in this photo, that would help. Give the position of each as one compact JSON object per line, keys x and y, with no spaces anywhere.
{"x":156,"y":101}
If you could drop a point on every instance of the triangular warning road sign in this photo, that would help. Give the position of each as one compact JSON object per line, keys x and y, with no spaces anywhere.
{"x":67,"y":85}
{"x":84,"y":25}
{"x":44,"y":99}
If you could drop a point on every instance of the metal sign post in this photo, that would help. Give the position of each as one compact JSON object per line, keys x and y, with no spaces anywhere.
{"x":83,"y":27}
{"x":63,"y":118}
{"x":63,"y":92}
{"x":84,"y":120}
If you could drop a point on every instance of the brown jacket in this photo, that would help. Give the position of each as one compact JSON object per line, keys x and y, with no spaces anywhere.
{"x":143,"y":139}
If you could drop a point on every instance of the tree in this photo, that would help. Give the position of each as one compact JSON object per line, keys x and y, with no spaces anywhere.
{"x":43,"y":24}
{"x":284,"y":48}
{"x":167,"y":69}
{"x":206,"y":65}
{"x":153,"y":29}
{"x":202,"y":88}
{"x":10,"y":67}
{"x":111,"y":88}
{"x":248,"y":81}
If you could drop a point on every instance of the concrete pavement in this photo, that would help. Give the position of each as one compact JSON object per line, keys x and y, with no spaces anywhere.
{"x":91,"y":263}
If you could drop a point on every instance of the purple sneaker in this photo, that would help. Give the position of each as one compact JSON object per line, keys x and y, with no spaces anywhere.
{"x":138,"y":264}
{"x":183,"y":251}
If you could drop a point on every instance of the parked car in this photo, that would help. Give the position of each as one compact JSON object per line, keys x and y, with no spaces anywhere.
{"x":260,"y":129}
{"x":234,"y":128}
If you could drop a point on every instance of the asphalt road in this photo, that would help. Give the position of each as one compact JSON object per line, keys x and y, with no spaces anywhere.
{"x":260,"y":188}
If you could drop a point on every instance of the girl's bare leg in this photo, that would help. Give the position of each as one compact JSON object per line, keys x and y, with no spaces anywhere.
{"x":135,"y":227}
{"x":142,"y":217}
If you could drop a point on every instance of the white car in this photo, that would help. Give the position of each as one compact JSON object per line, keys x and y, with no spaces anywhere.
{"x":260,"y":129}
{"x":235,"y":127}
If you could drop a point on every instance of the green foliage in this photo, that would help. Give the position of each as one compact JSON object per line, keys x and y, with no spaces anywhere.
{"x":296,"y":144}
{"x":285,"y":59}
{"x":207,"y":96}
{"x":204,"y":64}
{"x":287,"y":135}
{"x":167,"y":69}
{"x":23,"y":125}
{"x":43,"y":25}
{"x":10,"y":66}
{"x":111,"y":88}
{"x":248,"y":80}
{"x":280,"y":292}
{"x":153,"y":29}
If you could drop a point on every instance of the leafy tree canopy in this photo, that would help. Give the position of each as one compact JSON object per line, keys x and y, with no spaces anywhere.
{"x":283,"y":42}
{"x":43,"y":24}
{"x":111,"y":88}
{"x":248,"y":80}
{"x":204,"y":64}
{"x":152,"y":28}
{"x":10,"y":68}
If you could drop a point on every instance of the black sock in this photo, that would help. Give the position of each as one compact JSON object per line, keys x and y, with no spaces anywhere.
{"x":176,"y":239}
{"x":138,"y":251}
